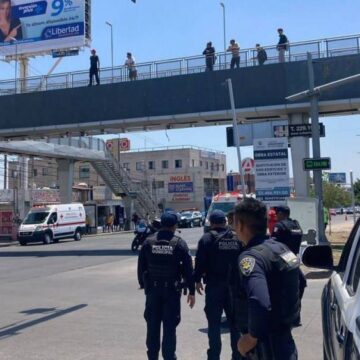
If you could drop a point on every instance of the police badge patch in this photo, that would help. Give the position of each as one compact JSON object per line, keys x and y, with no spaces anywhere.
{"x":247,"y":265}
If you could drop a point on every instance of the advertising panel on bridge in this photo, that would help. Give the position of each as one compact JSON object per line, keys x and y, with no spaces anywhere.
{"x":271,"y":170}
{"x":38,"y":27}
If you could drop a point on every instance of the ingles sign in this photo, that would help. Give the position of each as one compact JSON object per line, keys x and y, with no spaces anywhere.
{"x":43,"y":25}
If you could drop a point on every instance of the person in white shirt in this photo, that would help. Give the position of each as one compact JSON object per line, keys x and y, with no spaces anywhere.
{"x":234,"y":48}
{"x":130,"y":64}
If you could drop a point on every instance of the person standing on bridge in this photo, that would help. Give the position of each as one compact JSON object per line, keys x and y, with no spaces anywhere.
{"x":235,"y":51}
{"x":209,"y":53}
{"x":94,"y":67}
{"x":282,"y":45}
{"x":261,"y":54}
{"x":130,"y":64}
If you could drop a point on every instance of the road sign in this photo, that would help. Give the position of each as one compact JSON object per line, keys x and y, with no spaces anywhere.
{"x":337,"y":178}
{"x":62,"y":53}
{"x":248,"y":165}
{"x":317,"y":164}
{"x":304,"y":130}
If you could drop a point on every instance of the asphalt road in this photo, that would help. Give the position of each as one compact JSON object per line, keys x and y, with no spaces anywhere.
{"x":80,"y":301}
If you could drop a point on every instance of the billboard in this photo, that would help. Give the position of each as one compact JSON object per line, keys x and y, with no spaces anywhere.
{"x":337,"y":178}
{"x":180,"y":187}
{"x":41,"y":26}
{"x":272,"y":170}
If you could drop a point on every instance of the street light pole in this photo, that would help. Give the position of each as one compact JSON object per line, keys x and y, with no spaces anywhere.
{"x":224,"y":24}
{"x":236,"y":136}
{"x":112,"y":50}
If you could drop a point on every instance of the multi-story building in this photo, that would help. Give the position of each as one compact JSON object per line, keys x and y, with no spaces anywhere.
{"x":179,"y":177}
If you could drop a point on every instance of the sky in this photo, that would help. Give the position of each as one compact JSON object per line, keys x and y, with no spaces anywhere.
{"x":164,"y":29}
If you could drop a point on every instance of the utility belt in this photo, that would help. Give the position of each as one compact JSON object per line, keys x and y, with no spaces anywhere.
{"x":171,"y":284}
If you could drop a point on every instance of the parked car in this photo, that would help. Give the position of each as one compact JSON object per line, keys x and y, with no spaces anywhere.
{"x":190,"y":219}
{"x":349,"y":210}
{"x":332,"y":212}
{"x":340,"y":298}
{"x":339,"y":211}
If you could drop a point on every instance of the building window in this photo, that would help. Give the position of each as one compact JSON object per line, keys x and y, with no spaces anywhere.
{"x":45,"y":171}
{"x":217,"y":167}
{"x":14,"y":174}
{"x":207,"y":165}
{"x":201,"y":163}
{"x":84,"y":172}
{"x":222,"y":167}
{"x":159,"y":184}
{"x":178,"y":164}
{"x":151,"y":165}
{"x":126,"y":166}
{"x":212,"y":166}
{"x":34,"y":172}
{"x":193,"y":163}
{"x":165,"y":164}
{"x":139,"y":166}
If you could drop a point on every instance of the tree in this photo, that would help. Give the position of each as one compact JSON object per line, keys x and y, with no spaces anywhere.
{"x":334,"y":196}
{"x":357,"y":191}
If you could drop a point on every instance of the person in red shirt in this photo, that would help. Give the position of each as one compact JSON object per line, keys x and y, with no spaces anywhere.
{"x":271,"y":220}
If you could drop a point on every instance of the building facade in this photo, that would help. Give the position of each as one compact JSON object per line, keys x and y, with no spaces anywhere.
{"x":178,"y":177}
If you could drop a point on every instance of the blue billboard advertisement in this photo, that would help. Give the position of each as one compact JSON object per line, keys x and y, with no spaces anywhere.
{"x":31,"y":27}
{"x":180,"y":187}
{"x":337,"y":178}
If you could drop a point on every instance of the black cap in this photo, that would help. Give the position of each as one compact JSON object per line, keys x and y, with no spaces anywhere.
{"x":169,"y":219}
{"x":217,"y":217}
{"x":282,"y":209}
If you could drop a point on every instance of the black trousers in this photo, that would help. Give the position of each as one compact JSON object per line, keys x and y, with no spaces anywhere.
{"x":94,"y":72}
{"x":209,"y":64}
{"x":162,"y":307}
{"x":218,"y":300}
{"x":235,"y":62}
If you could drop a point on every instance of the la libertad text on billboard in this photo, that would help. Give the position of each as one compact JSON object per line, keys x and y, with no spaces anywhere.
{"x":42,"y":26}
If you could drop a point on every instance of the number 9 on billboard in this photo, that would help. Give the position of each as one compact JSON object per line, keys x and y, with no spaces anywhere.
{"x":58,"y":6}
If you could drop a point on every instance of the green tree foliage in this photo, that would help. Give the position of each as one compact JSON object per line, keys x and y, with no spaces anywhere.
{"x":335,"y":196}
{"x":357,"y":191}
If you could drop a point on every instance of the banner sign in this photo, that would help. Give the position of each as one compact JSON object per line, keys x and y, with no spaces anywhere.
{"x":43,"y":25}
{"x":180,"y":187}
{"x":272,"y":170}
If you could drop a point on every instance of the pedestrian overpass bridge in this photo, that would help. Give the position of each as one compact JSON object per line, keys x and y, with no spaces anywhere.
{"x":179,"y":93}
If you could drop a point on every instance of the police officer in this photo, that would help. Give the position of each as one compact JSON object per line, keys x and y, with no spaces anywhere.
{"x":164,"y":258}
{"x":217,"y":251}
{"x":288,"y":232}
{"x":269,"y":274}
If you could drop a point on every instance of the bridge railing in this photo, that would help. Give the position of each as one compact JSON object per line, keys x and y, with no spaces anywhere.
{"x":323,"y":48}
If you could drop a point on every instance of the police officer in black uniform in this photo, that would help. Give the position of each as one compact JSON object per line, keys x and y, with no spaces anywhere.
{"x":217,"y":252}
{"x":288,"y":232}
{"x":269,"y":274}
{"x":163,"y":260}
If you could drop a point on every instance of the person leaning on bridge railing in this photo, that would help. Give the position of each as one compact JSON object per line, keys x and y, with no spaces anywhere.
{"x":210,"y":57}
{"x":235,"y":50}
{"x":130,"y":64}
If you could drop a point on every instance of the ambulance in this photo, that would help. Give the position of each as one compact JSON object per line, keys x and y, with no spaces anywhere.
{"x":51,"y":223}
{"x":224,"y":201}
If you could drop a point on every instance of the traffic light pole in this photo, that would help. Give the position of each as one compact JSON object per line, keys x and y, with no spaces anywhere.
{"x":315,"y":132}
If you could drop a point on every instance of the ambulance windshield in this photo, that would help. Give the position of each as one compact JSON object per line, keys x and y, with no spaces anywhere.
{"x":35,"y":218}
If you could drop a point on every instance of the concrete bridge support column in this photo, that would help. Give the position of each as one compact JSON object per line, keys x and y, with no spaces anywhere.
{"x":66,"y":179}
{"x":129,"y":211}
{"x":300,"y":150}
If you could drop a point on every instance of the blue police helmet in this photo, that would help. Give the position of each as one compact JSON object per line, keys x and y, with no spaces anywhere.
{"x":217,"y":217}
{"x":169,"y":219}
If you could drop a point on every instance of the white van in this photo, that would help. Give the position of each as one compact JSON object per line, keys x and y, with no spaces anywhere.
{"x":52,"y":223}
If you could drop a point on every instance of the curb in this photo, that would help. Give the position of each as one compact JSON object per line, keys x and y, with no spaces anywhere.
{"x":109,"y":233}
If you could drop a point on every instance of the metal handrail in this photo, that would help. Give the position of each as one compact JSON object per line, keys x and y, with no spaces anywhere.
{"x":158,"y":69}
